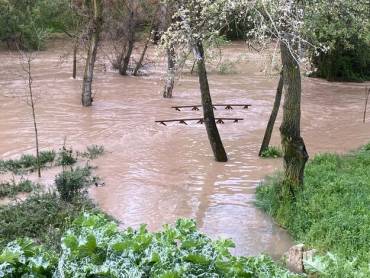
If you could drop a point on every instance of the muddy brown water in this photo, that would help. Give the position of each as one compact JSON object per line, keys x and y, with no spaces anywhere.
{"x":156,"y":174}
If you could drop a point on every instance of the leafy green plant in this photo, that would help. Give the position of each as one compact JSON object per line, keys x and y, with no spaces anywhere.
{"x":71,"y":183}
{"x":11,"y":189}
{"x":331,"y":212}
{"x":272,"y":152}
{"x":94,"y":247}
{"x":23,"y":258}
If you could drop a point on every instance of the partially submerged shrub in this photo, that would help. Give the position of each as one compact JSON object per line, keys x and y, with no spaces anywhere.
{"x":66,"y":157}
{"x":93,"y":152}
{"x":11,"y":189}
{"x":27,"y":162}
{"x":226,"y":67}
{"x":94,"y":247}
{"x":73,"y":182}
{"x":272,"y":152}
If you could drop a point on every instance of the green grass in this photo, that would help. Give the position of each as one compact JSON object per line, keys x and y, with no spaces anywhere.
{"x":332,"y":212}
{"x":41,"y":217}
{"x":272,"y":152}
{"x":11,"y":189}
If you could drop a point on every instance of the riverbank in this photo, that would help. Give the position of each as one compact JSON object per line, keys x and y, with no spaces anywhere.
{"x":331,"y":213}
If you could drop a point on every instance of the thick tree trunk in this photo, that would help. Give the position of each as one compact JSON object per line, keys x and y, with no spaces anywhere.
{"x":209,"y":118}
{"x":94,"y":37}
{"x":171,"y":72}
{"x":295,"y":154}
{"x":274,"y":113}
{"x":130,"y":43}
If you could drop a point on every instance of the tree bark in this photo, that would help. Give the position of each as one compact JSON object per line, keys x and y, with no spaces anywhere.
{"x":162,"y":23}
{"x":140,"y":62}
{"x":74,"y":70}
{"x":130,"y":44}
{"x":295,"y":153}
{"x":94,"y":37}
{"x":274,"y":113}
{"x":32,"y":103}
{"x":209,"y":118}
{"x":171,"y":72}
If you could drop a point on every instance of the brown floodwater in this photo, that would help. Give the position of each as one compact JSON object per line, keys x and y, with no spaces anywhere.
{"x":156,"y":174}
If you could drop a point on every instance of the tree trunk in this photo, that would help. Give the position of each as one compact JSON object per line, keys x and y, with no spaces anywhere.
{"x":32,"y":103}
{"x":74,"y":71}
{"x":274,"y":113}
{"x":162,"y":23}
{"x":130,"y":45}
{"x":94,"y":37}
{"x":170,"y":78}
{"x":295,"y":154}
{"x":140,"y":62}
{"x":209,"y":118}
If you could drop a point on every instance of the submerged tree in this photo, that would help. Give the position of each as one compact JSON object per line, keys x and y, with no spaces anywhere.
{"x":274,"y":113}
{"x":166,"y":13}
{"x":95,"y":11}
{"x":197,"y":21}
{"x":283,"y":20}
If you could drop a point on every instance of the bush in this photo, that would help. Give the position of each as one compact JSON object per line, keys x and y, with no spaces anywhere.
{"x":342,"y":64}
{"x":66,"y":157}
{"x":11,"y":189}
{"x":27,"y":162}
{"x":93,"y":152}
{"x":272,"y":152}
{"x":94,"y":247}
{"x":331,"y":213}
{"x":71,"y":183}
{"x":41,"y":217}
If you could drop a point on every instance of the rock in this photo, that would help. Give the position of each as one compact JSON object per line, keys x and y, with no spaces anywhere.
{"x":295,"y":258}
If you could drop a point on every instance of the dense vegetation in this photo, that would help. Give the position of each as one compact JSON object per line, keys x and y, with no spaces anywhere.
{"x":331,"y":213}
{"x":344,"y":27}
{"x":94,"y":247}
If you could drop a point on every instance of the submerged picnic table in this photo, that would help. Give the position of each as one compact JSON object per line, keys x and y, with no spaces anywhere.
{"x":227,"y":106}
{"x":199,"y":120}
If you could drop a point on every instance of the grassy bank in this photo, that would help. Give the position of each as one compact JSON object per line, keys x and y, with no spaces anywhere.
{"x":331,"y":213}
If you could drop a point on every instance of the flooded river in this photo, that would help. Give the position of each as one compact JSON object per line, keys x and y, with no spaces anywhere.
{"x":156,"y":174}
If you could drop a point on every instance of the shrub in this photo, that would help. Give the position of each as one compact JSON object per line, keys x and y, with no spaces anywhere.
{"x":41,"y":217}
{"x":226,"y":67}
{"x":66,"y":157}
{"x":27,"y":162}
{"x":72,"y":182}
{"x":11,"y":189}
{"x":331,"y":212}
{"x":272,"y":152}
{"x":94,"y":247}
{"x":93,"y":152}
